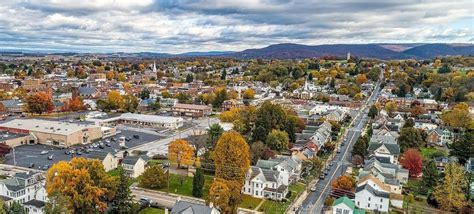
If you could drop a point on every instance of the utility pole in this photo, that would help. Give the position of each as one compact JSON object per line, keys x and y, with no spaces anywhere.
{"x":14,"y":157}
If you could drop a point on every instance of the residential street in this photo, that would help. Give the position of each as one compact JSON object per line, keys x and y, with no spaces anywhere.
{"x":314,"y":202}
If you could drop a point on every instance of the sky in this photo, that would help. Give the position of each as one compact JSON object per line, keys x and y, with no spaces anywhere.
{"x":227,"y":25}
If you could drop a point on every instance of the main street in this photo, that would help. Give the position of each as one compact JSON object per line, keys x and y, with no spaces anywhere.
{"x":314,"y":202}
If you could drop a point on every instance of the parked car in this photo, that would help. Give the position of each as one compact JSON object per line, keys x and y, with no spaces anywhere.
{"x":136,"y":136}
{"x":67,"y":152}
{"x":45,"y":167}
{"x":78,"y":153}
{"x":50,"y":157}
{"x":338,"y":150}
{"x":108,"y":144}
{"x":31,"y":165}
{"x":145,"y":202}
{"x":321,"y":177}
{"x":44,"y":152}
{"x":313,"y":188}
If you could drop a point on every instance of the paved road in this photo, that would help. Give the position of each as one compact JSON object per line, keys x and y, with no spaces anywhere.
{"x":314,"y":202}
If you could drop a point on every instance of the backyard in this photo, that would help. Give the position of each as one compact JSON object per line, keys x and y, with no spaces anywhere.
{"x":275,"y":207}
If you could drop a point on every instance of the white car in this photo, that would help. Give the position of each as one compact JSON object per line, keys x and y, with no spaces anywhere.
{"x":44,"y":152}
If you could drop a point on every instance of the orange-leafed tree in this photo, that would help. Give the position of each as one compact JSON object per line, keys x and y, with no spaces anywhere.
{"x":83,"y":182}
{"x":74,"y":104}
{"x":39,"y":103}
{"x":361,"y":79}
{"x":219,"y":195}
{"x":232,"y":161}
{"x":412,"y":160}
{"x":181,"y":153}
{"x":344,"y":182}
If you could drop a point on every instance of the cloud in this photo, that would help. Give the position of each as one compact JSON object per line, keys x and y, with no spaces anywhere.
{"x":200,"y":25}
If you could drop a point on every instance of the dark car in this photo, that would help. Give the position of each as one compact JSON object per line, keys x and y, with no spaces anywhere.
{"x":136,"y":136}
{"x":108,"y":144}
{"x":31,"y":165}
{"x":145,"y":202}
{"x":67,"y":152}
{"x":78,"y":153}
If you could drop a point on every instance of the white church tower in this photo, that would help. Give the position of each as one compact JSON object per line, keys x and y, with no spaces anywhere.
{"x":154,"y":67}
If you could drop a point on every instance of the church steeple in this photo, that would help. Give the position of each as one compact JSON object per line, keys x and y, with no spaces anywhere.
{"x":154,"y":67}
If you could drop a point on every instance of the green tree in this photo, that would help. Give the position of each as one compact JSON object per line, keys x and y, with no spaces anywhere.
{"x":145,"y":94}
{"x":360,"y":146}
{"x":373,"y":112}
{"x":154,"y":177}
{"x":189,"y":78}
{"x":16,"y":208}
{"x":463,"y":148}
{"x":57,"y":204}
{"x":122,"y":203}
{"x":450,"y":193}
{"x":198,"y":183}
{"x":411,"y":137}
{"x":221,"y":96}
{"x":277,"y":140}
{"x":130,"y":103}
{"x":430,"y":175}
{"x":269,"y":116}
{"x":223,"y":74}
{"x":214,"y":131}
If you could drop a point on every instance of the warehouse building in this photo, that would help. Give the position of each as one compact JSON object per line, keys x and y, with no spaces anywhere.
{"x":140,"y":120}
{"x":56,"y":133}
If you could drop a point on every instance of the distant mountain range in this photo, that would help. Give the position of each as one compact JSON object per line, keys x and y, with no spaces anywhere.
{"x":380,"y":51}
{"x":299,"y":51}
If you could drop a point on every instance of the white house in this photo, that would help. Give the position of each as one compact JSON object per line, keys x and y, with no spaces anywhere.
{"x":263,"y":183}
{"x":108,"y":160}
{"x":288,"y":166}
{"x":26,"y":188}
{"x":344,"y":205}
{"x":366,"y":197}
{"x":389,"y":151}
{"x":134,"y":165}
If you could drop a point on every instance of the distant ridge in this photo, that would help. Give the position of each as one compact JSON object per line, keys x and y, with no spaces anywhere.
{"x":385,"y":51}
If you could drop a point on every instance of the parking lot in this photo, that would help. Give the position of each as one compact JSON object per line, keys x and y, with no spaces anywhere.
{"x":27,"y":155}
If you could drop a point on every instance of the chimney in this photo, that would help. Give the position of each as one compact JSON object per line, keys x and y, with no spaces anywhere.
{"x":211,"y":205}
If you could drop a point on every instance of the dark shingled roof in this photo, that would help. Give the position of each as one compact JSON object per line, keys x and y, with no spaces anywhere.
{"x":35,"y":203}
{"x":373,"y":191}
{"x":184,"y":207}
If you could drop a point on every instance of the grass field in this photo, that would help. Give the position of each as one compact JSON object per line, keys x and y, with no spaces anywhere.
{"x":428,"y":152}
{"x":151,"y":210}
{"x":186,"y":187}
{"x":275,"y":207}
{"x":250,"y":202}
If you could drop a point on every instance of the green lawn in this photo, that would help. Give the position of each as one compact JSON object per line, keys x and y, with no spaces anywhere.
{"x":275,"y":207}
{"x":153,"y":162}
{"x":187,"y":186}
{"x":430,"y":152}
{"x":151,"y":210}
{"x":250,"y":202}
{"x":113,"y":172}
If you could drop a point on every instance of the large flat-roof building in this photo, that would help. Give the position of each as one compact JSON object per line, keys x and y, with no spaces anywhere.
{"x":191,"y":110}
{"x":63,"y":134}
{"x":141,"y":120}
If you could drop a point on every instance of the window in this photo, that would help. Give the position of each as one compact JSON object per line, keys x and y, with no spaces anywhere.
{"x":358,"y":203}
{"x":369,"y":198}
{"x":381,"y":200}
{"x":380,"y":206}
{"x":346,"y":211}
{"x":368,"y":205}
{"x":338,"y":211}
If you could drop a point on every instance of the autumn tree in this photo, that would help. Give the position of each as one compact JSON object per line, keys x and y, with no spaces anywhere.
{"x":412,"y":160}
{"x":450,"y":193}
{"x":390,"y":107}
{"x":357,"y":160}
{"x":277,"y":140}
{"x":57,"y":204}
{"x":258,"y":150}
{"x":83,"y":182}
{"x":344,"y":182}
{"x":458,"y":117}
{"x":219,"y":196}
{"x":181,"y":153}
{"x":154,"y":177}
{"x":361,"y":79}
{"x":74,"y":104}
{"x":129,"y":103}
{"x":4,"y":149}
{"x":114,"y":100}
{"x":39,"y":103}
{"x":232,"y":161}
{"x":248,"y":94}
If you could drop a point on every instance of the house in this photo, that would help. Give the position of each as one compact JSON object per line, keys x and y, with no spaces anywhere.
{"x":470,"y":165}
{"x":229,"y":104}
{"x":441,"y":162}
{"x":26,"y":188}
{"x":336,"y":115}
{"x":134,"y":165}
{"x":14,"y":106}
{"x":88,"y":92}
{"x":321,"y":135}
{"x":371,"y":199}
{"x":264,"y":183}
{"x":344,"y":205}
{"x":185,"y":207}
{"x":386,"y":150}
{"x":108,"y":160}
{"x":384,"y":171}
{"x":440,"y":137}
{"x":288,"y":166}
{"x":394,"y":190}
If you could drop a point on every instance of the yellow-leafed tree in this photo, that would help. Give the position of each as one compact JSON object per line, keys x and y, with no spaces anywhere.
{"x":219,"y":195}
{"x":83,"y":182}
{"x":180,"y":152}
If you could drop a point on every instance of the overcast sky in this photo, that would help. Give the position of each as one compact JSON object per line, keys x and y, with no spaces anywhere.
{"x":204,"y":25}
